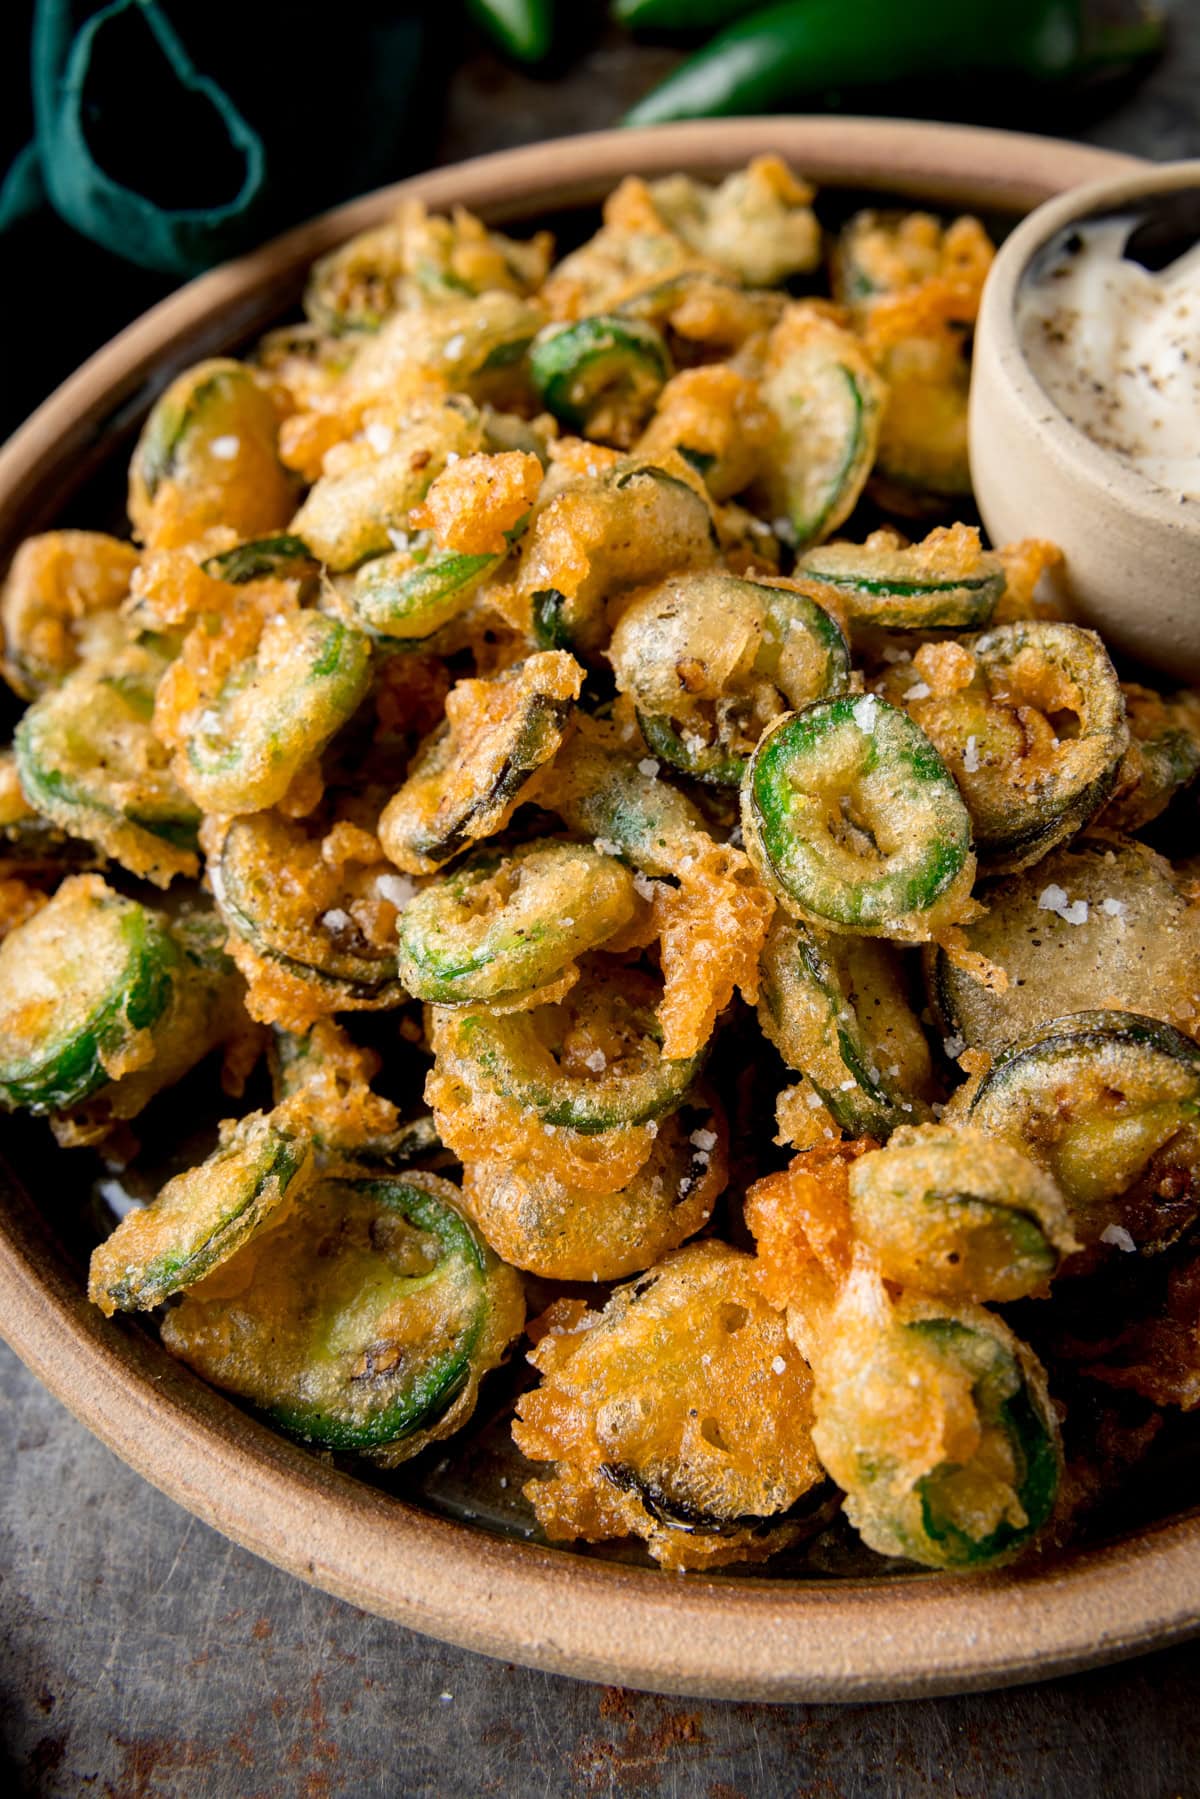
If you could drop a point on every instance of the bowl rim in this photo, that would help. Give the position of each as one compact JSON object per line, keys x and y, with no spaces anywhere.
{"x":1107,"y":473}
{"x":738,"y":1637}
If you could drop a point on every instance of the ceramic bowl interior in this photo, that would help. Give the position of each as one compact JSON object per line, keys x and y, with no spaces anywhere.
{"x":1132,"y":548}
{"x":443,"y":1546}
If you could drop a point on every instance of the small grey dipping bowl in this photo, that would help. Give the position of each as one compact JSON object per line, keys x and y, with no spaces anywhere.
{"x":1132,"y":548}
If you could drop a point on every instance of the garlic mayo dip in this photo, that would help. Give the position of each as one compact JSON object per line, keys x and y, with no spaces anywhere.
{"x":1117,"y":347}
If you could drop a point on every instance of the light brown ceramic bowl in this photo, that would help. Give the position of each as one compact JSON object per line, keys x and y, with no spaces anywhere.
{"x":735,"y":1637}
{"x":1132,"y":549}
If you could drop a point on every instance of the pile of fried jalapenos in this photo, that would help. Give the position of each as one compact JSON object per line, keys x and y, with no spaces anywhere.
{"x":508,"y":646}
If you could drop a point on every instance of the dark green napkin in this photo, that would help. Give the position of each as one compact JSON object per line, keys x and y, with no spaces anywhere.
{"x":171,"y":134}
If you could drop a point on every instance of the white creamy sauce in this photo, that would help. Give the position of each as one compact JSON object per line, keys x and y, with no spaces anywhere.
{"x":1117,"y":348}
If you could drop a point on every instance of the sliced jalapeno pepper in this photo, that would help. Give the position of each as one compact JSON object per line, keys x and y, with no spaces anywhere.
{"x":610,"y":795}
{"x":350,"y":516}
{"x":1043,"y":700}
{"x":538,"y":1222}
{"x":211,"y":439}
{"x":601,"y":375}
{"x":955,"y":1213}
{"x":468,"y":777}
{"x":836,"y":1009}
{"x":1099,"y":922}
{"x":1109,"y":1102}
{"x":1014,"y":1411}
{"x":827,"y":401}
{"x":681,"y":1413}
{"x":912,"y":589}
{"x":55,"y":588}
{"x":364,"y":1322}
{"x":503,"y":925}
{"x":413,"y":592}
{"x":623,"y":529}
{"x":276,"y":711}
{"x":1162,"y":759}
{"x":851,"y":818}
{"x":302,"y":922}
{"x":201,"y":1217}
{"x":592,"y":1063}
{"x":936,"y":1422}
{"x":709,"y":660}
{"x":90,"y":762}
{"x":260,"y":558}
{"x":80,"y":982}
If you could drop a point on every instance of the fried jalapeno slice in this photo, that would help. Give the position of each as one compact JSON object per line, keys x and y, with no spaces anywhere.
{"x":955,"y":1213}
{"x":1109,"y":1103}
{"x":936,"y":1422}
{"x":590,"y":1064}
{"x":837,"y":1010}
{"x":326,"y":922}
{"x":601,"y":375}
{"x":102,"y":1002}
{"x":506,"y":925}
{"x":472,"y":773}
{"x":710,"y":660}
{"x":1030,"y":720}
{"x":1101,"y":922}
{"x":207,"y":457}
{"x":90,"y":762}
{"x":536,"y":1221}
{"x":603,"y":535}
{"x":350,"y":512}
{"x":827,"y":402}
{"x":275,"y":713}
{"x":202,"y":1216}
{"x":681,"y":1413}
{"x":852,"y":820}
{"x":948,"y":581}
{"x":80,"y":984}
{"x":363,"y":1322}
{"x":58,"y":587}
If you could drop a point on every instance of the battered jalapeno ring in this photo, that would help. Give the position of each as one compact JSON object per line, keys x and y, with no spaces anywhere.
{"x":591,"y":1064}
{"x":207,"y":456}
{"x":470,"y":775}
{"x":201,"y":1217}
{"x":709,"y":660}
{"x":827,"y":400}
{"x":837,"y":1011}
{"x":1033,"y":733}
{"x":955,"y":1213}
{"x":102,"y":1002}
{"x":79,"y":984}
{"x":601,"y":375}
{"x":680,"y":1413}
{"x":303,"y":922}
{"x":1109,"y":1103}
{"x":604,"y":535}
{"x":946,"y":582}
{"x":364,"y":1322}
{"x":90,"y":762}
{"x":409,"y":595}
{"x":502,"y":925}
{"x":851,"y":819}
{"x":536,"y":1221}
{"x":57,"y":589}
{"x":937,"y":1423}
{"x":1099,"y":922}
{"x":350,"y":514}
{"x":276,"y":712}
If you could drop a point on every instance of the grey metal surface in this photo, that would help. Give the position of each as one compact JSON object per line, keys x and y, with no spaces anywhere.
{"x":142,"y":1656}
